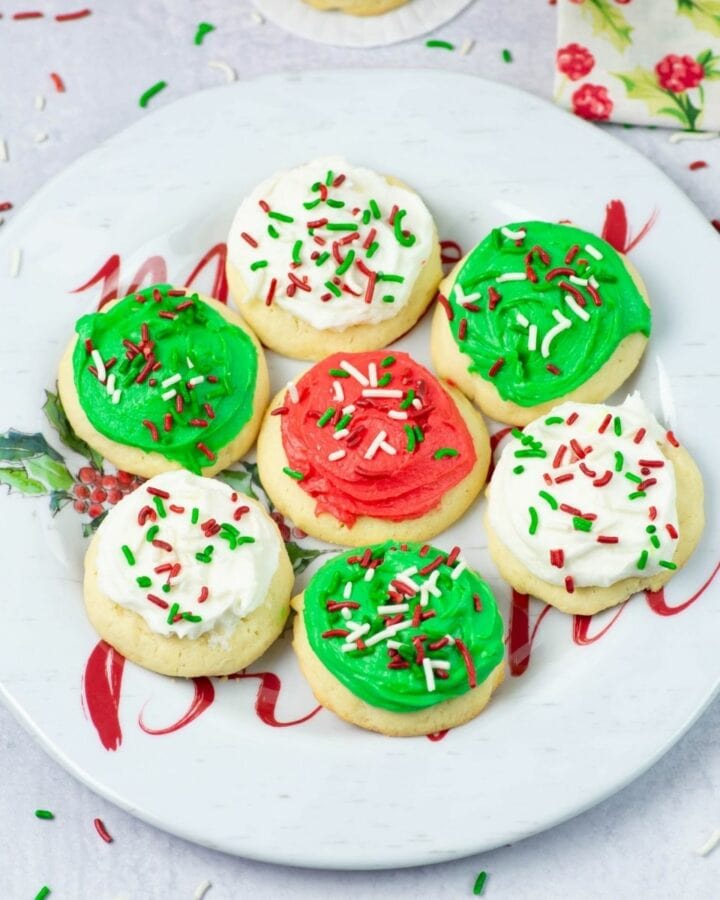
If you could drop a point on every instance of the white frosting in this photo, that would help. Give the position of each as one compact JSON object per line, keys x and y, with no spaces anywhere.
{"x":285,"y":193}
{"x":587,"y":561}
{"x":237,"y":579}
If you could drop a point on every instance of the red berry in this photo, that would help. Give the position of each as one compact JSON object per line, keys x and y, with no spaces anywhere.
{"x":98,"y":495}
{"x":125,"y":477}
{"x":575,"y":61}
{"x":80,"y":506}
{"x":109,"y":481}
{"x":81,"y":491}
{"x":114,"y":497}
{"x":592,"y":101}
{"x":88,"y":475}
{"x":299,"y":533}
{"x":94,"y":510}
{"x":679,"y":73}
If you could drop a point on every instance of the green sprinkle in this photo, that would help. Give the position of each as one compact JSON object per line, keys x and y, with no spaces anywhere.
{"x":202,"y":29}
{"x":166,"y":588}
{"x":195,"y":515}
{"x":533,"y":519}
{"x":655,"y":541}
{"x":518,"y":470}
{"x":410,"y":438}
{"x":619,"y":461}
{"x":326,"y":416}
{"x":631,"y":477}
{"x":388,"y":298}
{"x":231,"y":529}
{"x":280,"y":217}
{"x":651,"y":529}
{"x":333,"y":288}
{"x":206,"y":555}
{"x":366,"y":217}
{"x":297,"y":247}
{"x":173,"y":612}
{"x":42,"y":893}
{"x":383,"y":277}
{"x":160,"y":507}
{"x":667,"y":565}
{"x":580,"y":524}
{"x":148,"y":95}
{"x":374,"y":209}
{"x":523,"y":454}
{"x":293,"y":473}
{"x":507,"y":56}
{"x":372,"y":249}
{"x":402,"y":239}
{"x":151,"y":532}
{"x":388,"y":361}
{"x":549,"y":499}
{"x":642,"y":562}
{"x":315,"y":187}
{"x":329,"y":178}
{"x":554,"y":420}
{"x":617,"y":425}
{"x":312,"y":203}
{"x":409,"y":397}
{"x":636,"y":495}
{"x":259,"y":264}
{"x":344,"y":422}
{"x":443,"y":452}
{"x":246,"y":539}
{"x":189,"y":617}
{"x":44,"y":814}
{"x":127,"y":552}
{"x":144,"y":581}
{"x":346,"y":263}
{"x":341,"y":226}
{"x":385,"y":380}
{"x":339,"y":373}
{"x":322,"y":257}
{"x":336,"y":204}
{"x":440,"y":45}
{"x":419,"y":434}
{"x":273,"y":232}
{"x":480,"y":883}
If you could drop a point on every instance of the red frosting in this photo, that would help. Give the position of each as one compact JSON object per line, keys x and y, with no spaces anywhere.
{"x":399,"y":486}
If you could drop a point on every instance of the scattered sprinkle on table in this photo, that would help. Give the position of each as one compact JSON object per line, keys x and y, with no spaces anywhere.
{"x":480,"y":883}
{"x":102,"y":830}
{"x":710,"y":844}
{"x":150,"y":93}
{"x":202,"y":29}
{"x":39,"y":101}
{"x":256,"y":18}
{"x":440,"y":45}
{"x":698,"y":164}
{"x":3,"y":150}
{"x":226,"y":68}
{"x":58,"y":82}
{"x":40,"y":137}
{"x":678,"y":136}
{"x":43,"y":814}
{"x":466,"y":46}
{"x":72,"y":16}
{"x":15,"y":262}
{"x":715,"y":224}
{"x":507,"y":56}
{"x":201,"y":890}
{"x":5,"y":206}
{"x":43,"y":893}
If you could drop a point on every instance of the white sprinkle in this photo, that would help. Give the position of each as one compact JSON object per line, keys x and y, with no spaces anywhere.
{"x":225,"y":68}
{"x":532,"y":338}
{"x":338,"y":393}
{"x":562,"y":324}
{"x":372,"y":374}
{"x":429,"y":675}
{"x":359,"y":631}
{"x":40,"y":136}
{"x":257,"y":18}
{"x":458,"y":570}
{"x":168,"y":395}
{"x":110,"y":386}
{"x":116,"y":396}
{"x":347,"y":590}
{"x":189,"y":363}
{"x":466,"y":46}
{"x":346,"y":648}
{"x":521,"y":320}
{"x":593,"y":281}
{"x":173,"y":379}
{"x":99,"y":365}
{"x":3,"y":150}
{"x":576,"y":308}
{"x":401,"y":626}
{"x":380,"y":636}
{"x":201,"y":890}
{"x":351,"y":370}
{"x":440,"y":664}
{"x":397,"y":414}
{"x":430,"y":587}
{"x":394,"y":645}
{"x":513,"y":235}
{"x":336,"y":455}
{"x":39,"y":101}
{"x":576,"y":280}
{"x":511,"y":276}
{"x":347,"y":410}
{"x":678,"y":136}
{"x":15,"y":262}
{"x":375,"y":444}
{"x":593,"y":251}
{"x":406,"y":574}
{"x":339,"y":435}
{"x":451,"y":639}
{"x":417,"y":403}
{"x":293,"y":391}
{"x":392,"y":609}
{"x":369,"y":574}
{"x":382,"y":392}
{"x":196,"y":379}
{"x":346,"y":613}
{"x":462,"y":298}
{"x":387,"y":448}
{"x":710,"y":844}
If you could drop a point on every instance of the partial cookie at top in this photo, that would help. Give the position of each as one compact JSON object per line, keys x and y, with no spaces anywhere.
{"x":536,"y":314}
{"x":331,"y":256}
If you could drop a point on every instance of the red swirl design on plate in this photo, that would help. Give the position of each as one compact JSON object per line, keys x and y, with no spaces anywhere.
{"x":581,"y":627}
{"x":101,"y":687}
{"x":374,"y":434}
{"x":616,"y":229}
{"x":266,"y":700}
{"x":203,"y":698}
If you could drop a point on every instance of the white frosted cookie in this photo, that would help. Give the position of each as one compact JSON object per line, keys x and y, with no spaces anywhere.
{"x":187,"y":577}
{"x":591,"y":503}
{"x":330,"y":256}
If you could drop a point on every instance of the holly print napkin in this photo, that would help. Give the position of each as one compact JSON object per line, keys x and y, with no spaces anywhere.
{"x":649,"y":62}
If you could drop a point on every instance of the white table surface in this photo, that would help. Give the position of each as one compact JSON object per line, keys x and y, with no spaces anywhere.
{"x":638,"y":844}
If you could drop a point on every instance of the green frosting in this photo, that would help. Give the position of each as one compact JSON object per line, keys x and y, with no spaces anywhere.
{"x":498,"y":335}
{"x":395,"y":678}
{"x":152,"y":336}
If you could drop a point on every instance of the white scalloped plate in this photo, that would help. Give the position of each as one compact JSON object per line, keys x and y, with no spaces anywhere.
{"x":586,"y":716}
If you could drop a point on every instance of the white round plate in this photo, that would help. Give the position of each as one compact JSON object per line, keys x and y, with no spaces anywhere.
{"x":597,"y":702}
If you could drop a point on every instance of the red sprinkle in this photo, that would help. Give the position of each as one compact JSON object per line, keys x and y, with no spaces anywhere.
{"x":557,"y":558}
{"x":571,"y":510}
{"x":477,"y":604}
{"x":335,"y":632}
{"x":162,"y":545}
{"x":651,"y":463}
{"x":469,"y":664}
{"x":158,"y":601}
{"x":279,"y":411}
{"x":426,"y":570}
{"x":607,"y":539}
{"x":204,"y":592}
{"x":182,"y":306}
{"x":156,"y":492}
{"x":577,"y":449}
{"x":639,"y":435}
{"x":152,"y":428}
{"x":603,"y":480}
{"x":147,"y":512}
{"x":205,"y":450}
{"x":572,"y":253}
{"x":240,"y":512}
{"x":496,"y":366}
{"x":102,"y":830}
{"x":462,"y":329}
{"x":176,"y":509}
{"x":68,"y":17}
{"x":198,"y":423}
{"x":553,"y":370}
{"x":264,"y":205}
{"x":672,"y":439}
{"x":493,"y":298}
{"x":587,"y":471}
{"x":557,"y":461}
{"x":652,"y":513}
{"x":27,"y":15}
{"x":568,"y":476}
{"x":571,"y":418}
{"x":452,"y":556}
{"x":246,"y":237}
{"x":698,"y":164}
{"x":644,"y":485}
{"x":569,"y":585}
{"x":672,"y":531}
{"x":605,"y":422}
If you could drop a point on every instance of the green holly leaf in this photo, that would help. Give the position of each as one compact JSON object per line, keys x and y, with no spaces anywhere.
{"x":31,"y":465}
{"x":89,"y":528}
{"x":19,"y":480}
{"x":59,"y":499}
{"x":641,"y":84}
{"x":56,"y":416}
{"x":243,"y":480}
{"x":609,"y":22}
{"x":300,"y":556}
{"x":18,"y":445}
{"x":52,"y":473}
{"x":704,"y":14}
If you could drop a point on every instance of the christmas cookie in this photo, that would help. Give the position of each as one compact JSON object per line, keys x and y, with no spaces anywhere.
{"x":187,"y":577}
{"x":330,"y":257}
{"x":403,"y":639}
{"x":165,"y":379}
{"x":592,"y":503}
{"x":368,"y":446}
{"x":536,"y":314}
{"x":358,"y":7}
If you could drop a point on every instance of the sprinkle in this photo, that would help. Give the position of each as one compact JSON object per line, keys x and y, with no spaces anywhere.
{"x":672,"y":439}
{"x":68,"y":17}
{"x":443,"y":301}
{"x":44,"y":891}
{"x":552,"y":369}
{"x":382,"y":392}
{"x":496,"y":366}
{"x":511,"y":235}
{"x":15,"y":262}
{"x":549,"y":499}
{"x":533,"y":520}
{"x":466,"y":46}
{"x":325,"y":417}
{"x":581,"y":524}
{"x":678,"y":136}
{"x":578,"y":310}
{"x":127,"y":552}
{"x":336,"y":455}
{"x":3,"y":150}
{"x":639,"y":435}
{"x":293,"y":391}
{"x":440,"y":45}
{"x":201,"y":890}
{"x":58,"y":82}
{"x":642,"y":561}
{"x":468,"y":660}
{"x":667,"y":565}
{"x":44,"y":814}
{"x":151,"y":92}
{"x":507,"y":56}
{"x":102,"y":830}
{"x":293,"y":473}
{"x":511,"y":276}
{"x":569,"y":584}
{"x":358,"y":376}
{"x":258,"y":264}
{"x":202,"y":29}
{"x":593,"y":251}
{"x":205,"y":450}
{"x":152,"y":428}
{"x":225,"y":68}
{"x":480,"y":883}
{"x":39,"y":102}
{"x":557,"y":558}
{"x":710,"y":844}
{"x":443,"y":452}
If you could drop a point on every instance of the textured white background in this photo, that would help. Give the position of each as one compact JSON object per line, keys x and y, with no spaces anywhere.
{"x":636,"y":845}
